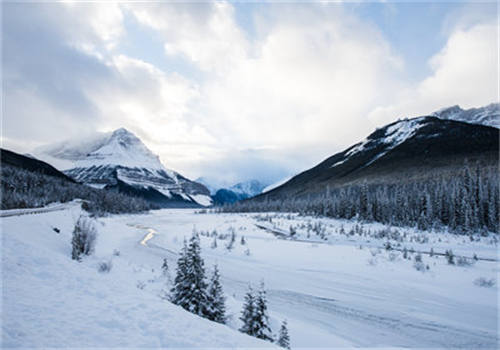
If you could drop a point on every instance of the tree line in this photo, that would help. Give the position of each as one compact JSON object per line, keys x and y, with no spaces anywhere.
{"x":27,"y":189}
{"x":465,"y":202}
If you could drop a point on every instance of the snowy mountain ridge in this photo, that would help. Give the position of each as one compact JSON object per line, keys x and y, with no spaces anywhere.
{"x":226,"y":194}
{"x":488,"y":115}
{"x":394,"y":135}
{"x":405,"y":148}
{"x":120,"y":160}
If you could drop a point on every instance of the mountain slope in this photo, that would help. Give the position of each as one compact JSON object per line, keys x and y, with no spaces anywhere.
{"x":30,"y":183}
{"x":406,"y":149}
{"x":30,"y":164}
{"x":120,"y":161}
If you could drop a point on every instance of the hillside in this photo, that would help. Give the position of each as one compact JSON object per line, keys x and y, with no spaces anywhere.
{"x":29,"y":183}
{"x":52,"y":301}
{"x":30,"y":164}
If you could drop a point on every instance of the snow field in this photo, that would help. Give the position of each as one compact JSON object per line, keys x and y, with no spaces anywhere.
{"x":50,"y":300}
{"x":331,"y":292}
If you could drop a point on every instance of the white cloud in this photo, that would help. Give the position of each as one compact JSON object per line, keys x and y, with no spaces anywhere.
{"x":307,"y":79}
{"x":464,"y":72}
{"x":204,"y":33}
{"x":311,"y":80}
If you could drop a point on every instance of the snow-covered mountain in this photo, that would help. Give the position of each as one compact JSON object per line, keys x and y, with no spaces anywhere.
{"x":276,"y":184}
{"x":488,"y":115}
{"x":248,"y":188}
{"x":213,"y":184}
{"x":241,"y":190}
{"x":119,"y":160}
{"x":410,"y":148}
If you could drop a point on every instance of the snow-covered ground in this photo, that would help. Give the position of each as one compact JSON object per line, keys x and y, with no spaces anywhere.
{"x":334,"y":284}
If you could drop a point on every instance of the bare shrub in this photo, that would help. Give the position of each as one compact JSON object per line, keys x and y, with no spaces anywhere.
{"x":463,"y":261}
{"x":393,"y":256}
{"x":418,"y":263}
{"x":374,"y":252}
{"x":84,"y":238}
{"x":105,"y":266}
{"x":485,"y":282}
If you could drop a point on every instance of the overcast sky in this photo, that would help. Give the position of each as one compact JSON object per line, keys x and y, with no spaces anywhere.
{"x":239,"y":90}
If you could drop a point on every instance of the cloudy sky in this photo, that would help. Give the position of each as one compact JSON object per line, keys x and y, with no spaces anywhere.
{"x":239,"y":90}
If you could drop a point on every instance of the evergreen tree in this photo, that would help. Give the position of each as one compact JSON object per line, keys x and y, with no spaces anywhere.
{"x":180,"y":286}
{"x":263,"y":330}
{"x":248,"y":313}
{"x":283,"y":337}
{"x":216,"y":300}
{"x":190,"y":288}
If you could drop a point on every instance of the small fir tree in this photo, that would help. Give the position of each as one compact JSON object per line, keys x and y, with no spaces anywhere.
{"x":248,"y":313}
{"x":263,"y":330}
{"x":283,"y":337}
{"x":216,"y":299}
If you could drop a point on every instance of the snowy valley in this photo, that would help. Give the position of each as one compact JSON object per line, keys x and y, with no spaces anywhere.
{"x":386,"y":244}
{"x":337,"y":283}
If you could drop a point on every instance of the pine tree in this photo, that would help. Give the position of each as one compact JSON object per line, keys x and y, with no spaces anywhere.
{"x":190,"y":288}
{"x":248,"y":312}
{"x":216,"y":300}
{"x":283,"y":337}
{"x":263,"y":330}
{"x":180,"y":287}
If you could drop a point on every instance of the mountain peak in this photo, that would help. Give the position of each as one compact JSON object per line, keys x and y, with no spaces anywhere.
{"x":488,"y":115}
{"x":119,"y":147}
{"x":121,"y":132}
{"x":125,"y":149}
{"x":448,"y":110}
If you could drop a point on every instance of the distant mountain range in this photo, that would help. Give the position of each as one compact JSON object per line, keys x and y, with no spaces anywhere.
{"x":222,"y":193}
{"x":488,"y":115}
{"x":405,"y":149}
{"x":120,"y":161}
{"x":242,"y":190}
